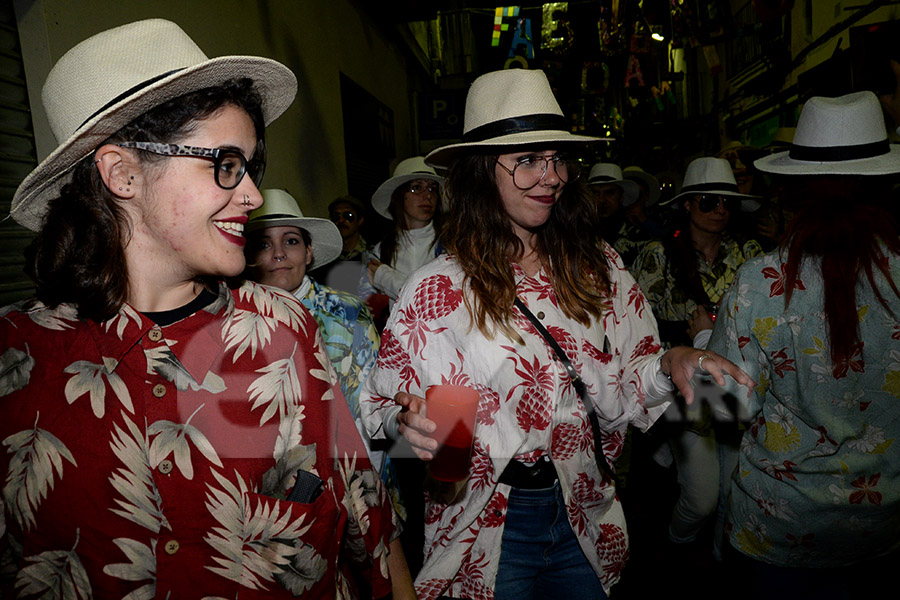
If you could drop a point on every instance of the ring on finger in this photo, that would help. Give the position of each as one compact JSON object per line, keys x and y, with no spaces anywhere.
{"x":700,"y":362}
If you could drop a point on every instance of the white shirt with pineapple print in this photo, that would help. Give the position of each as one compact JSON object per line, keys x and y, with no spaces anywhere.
{"x":528,"y":409}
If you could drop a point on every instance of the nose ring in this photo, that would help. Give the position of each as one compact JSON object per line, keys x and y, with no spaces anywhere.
{"x":246,"y":201}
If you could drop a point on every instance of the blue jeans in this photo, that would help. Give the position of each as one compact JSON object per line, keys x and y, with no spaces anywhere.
{"x":540,"y":557}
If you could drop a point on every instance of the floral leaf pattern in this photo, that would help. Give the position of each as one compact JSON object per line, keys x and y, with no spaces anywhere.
{"x":250,"y":543}
{"x":126,"y":316}
{"x":248,"y":329}
{"x":36,"y":453}
{"x":306,"y":568}
{"x":668,"y":301}
{"x":276,"y":303}
{"x":15,"y":370}
{"x":139,"y":500}
{"x":141,"y":566}
{"x":162,"y":361}
{"x":58,"y":319}
{"x":55,"y":574}
{"x":278,"y":387}
{"x":172,"y":438}
{"x":89,"y":378}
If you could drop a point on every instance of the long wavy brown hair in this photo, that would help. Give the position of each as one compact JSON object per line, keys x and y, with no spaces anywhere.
{"x":478,"y":232}
{"x":845,"y":221}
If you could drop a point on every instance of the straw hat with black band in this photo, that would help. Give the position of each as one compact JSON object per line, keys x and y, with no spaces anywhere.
{"x":635,"y":173}
{"x":708,"y":175}
{"x":514,"y":107}
{"x":108,"y":80}
{"x":611,"y":174}
{"x":837,"y":136}
{"x":280,"y":209}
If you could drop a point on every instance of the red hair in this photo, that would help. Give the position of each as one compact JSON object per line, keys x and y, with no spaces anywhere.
{"x":845,"y":222}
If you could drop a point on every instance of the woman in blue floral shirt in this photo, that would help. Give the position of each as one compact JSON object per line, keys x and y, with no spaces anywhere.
{"x":282,"y":244}
{"x":815,"y":502}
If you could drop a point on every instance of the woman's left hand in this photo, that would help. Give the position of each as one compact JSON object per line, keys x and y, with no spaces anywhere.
{"x":682,"y":362}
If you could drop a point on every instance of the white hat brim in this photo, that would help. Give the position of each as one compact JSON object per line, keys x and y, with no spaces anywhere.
{"x":649,"y":180}
{"x":782,"y":164}
{"x":275,"y":83}
{"x":324,"y":236}
{"x":631,"y":189}
{"x":441,"y":158}
{"x":381,"y":199}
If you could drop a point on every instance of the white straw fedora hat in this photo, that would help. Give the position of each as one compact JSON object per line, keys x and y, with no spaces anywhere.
{"x":108,"y":80}
{"x":405,"y":171}
{"x":280,"y":209}
{"x":610,"y":173}
{"x":636,"y":173}
{"x":708,"y":175}
{"x":514,"y":107}
{"x":837,"y":136}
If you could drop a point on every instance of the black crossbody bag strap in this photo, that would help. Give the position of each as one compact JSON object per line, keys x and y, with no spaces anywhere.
{"x":578,"y":383}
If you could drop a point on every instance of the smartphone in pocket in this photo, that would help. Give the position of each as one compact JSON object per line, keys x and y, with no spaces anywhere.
{"x":307,"y":488}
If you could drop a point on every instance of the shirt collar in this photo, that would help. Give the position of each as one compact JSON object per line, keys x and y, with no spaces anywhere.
{"x":118,"y":336}
{"x":305,"y":286}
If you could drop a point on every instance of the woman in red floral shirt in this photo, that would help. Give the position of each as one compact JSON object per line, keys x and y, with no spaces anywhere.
{"x":537,"y":518}
{"x":165,"y":436}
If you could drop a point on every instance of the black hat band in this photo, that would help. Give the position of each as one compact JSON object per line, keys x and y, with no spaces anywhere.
{"x":839,"y":153}
{"x":711,"y":187}
{"x":128,"y":93}
{"x":523,"y":124}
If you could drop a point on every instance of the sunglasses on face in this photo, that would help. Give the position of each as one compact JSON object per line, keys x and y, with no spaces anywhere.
{"x":707,"y":203}
{"x":230,"y":165}
{"x":346,"y":215}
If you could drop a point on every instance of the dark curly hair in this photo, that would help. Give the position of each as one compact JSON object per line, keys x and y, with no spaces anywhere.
{"x":78,"y":256}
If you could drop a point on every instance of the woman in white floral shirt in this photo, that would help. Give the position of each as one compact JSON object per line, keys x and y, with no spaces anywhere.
{"x":520,"y":223}
{"x":815,"y":501}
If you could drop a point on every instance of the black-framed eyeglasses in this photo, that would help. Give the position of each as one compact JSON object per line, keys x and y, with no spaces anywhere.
{"x":710,"y":202}
{"x":337,"y":215}
{"x":531,"y":169}
{"x":230,"y":165}
{"x":418,"y":188}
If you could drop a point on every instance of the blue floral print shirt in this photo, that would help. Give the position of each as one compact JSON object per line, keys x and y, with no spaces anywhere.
{"x":818,"y":483}
{"x":352,"y":341}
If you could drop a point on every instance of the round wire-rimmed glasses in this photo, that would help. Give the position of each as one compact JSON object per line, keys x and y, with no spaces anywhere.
{"x":531,"y":169}
{"x":230,"y":165}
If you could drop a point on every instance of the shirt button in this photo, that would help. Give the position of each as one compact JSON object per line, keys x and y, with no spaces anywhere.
{"x":155,"y":335}
{"x":540,"y":315}
{"x":171,"y":547}
{"x":498,"y":512}
{"x":165,"y":467}
{"x":159,"y":390}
